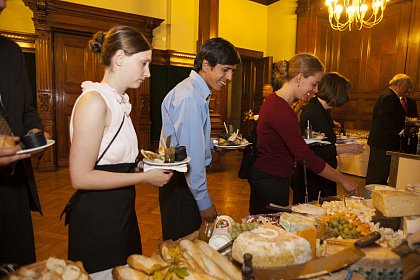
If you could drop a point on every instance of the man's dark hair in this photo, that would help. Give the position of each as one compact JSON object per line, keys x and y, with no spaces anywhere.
{"x":216,"y":51}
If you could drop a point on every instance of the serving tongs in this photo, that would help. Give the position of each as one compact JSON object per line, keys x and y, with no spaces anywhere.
{"x":225,"y":247}
{"x":305,"y":180}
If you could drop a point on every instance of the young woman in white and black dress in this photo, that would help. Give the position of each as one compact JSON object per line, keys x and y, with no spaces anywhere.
{"x":103,"y":228}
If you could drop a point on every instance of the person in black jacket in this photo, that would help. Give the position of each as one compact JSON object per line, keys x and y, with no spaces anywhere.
{"x":333,"y":92}
{"x":387,"y":122}
{"x":411,"y":107}
{"x":18,"y":193}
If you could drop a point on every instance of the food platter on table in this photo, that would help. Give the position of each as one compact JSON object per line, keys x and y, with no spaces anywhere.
{"x":316,"y":140}
{"x":344,"y":139}
{"x":309,"y":209}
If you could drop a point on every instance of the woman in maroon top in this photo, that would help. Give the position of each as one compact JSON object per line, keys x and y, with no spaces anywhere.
{"x":279,"y":141}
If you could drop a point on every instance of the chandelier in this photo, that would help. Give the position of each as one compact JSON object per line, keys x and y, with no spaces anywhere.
{"x":356,"y":11}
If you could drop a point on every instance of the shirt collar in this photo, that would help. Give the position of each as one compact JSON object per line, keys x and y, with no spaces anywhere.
{"x":204,"y":88}
{"x":395,"y":92}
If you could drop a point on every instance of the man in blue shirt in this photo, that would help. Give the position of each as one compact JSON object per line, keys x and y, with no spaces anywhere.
{"x":185,"y":201}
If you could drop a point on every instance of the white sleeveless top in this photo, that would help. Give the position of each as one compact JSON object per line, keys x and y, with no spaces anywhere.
{"x":124,"y":149}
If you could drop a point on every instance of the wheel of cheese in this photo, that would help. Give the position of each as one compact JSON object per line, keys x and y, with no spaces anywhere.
{"x":271,"y":247}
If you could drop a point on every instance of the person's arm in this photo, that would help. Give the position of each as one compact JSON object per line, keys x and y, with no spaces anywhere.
{"x":89,"y":122}
{"x":8,"y":155}
{"x":331,"y":174}
{"x":188,"y":124}
{"x":302,"y":152}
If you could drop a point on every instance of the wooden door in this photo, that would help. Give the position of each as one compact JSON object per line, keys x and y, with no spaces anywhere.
{"x":74,"y":63}
{"x":255,"y":73}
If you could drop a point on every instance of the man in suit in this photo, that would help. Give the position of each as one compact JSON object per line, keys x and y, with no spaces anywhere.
{"x":387,"y":122}
{"x":18,"y":193}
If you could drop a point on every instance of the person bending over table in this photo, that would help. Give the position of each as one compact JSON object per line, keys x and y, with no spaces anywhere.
{"x":279,"y":141}
{"x":333,"y":91}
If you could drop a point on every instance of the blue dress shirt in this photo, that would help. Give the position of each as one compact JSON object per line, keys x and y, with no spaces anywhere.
{"x":185,"y":116}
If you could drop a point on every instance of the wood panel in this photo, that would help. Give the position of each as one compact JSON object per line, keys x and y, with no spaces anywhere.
{"x":74,"y":63}
{"x":368,"y":57}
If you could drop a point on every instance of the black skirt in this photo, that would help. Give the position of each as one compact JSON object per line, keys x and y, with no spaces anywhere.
{"x":103,"y":228}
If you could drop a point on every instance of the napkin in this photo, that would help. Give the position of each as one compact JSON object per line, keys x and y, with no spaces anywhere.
{"x":180,"y":168}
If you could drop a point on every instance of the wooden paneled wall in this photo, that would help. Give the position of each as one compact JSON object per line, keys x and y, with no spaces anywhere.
{"x":368,"y":57}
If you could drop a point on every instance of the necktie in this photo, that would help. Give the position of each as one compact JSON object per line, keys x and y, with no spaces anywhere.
{"x":404,"y":104}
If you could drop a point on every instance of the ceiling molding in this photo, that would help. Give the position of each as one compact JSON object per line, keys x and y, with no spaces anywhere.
{"x":265,"y":2}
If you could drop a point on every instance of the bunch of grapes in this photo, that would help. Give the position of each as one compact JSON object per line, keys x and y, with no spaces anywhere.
{"x":346,"y":227}
{"x":238,"y":228}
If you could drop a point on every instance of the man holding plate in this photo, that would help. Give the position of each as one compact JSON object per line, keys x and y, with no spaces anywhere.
{"x":18,"y":193}
{"x":185,"y":201}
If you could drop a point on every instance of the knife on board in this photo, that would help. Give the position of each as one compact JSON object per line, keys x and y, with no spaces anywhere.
{"x":320,"y":266}
{"x":278,"y":208}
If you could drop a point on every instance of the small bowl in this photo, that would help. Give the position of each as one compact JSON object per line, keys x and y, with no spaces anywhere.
{"x":34,"y":140}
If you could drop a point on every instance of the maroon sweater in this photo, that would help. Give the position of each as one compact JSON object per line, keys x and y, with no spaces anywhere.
{"x":279,"y":140}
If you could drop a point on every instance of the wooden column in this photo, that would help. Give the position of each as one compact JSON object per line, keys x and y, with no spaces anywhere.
{"x":208,"y":20}
{"x":44,"y":84}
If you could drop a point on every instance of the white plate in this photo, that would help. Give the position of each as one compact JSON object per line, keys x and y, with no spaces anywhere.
{"x":236,"y":147}
{"x":37,"y":149}
{"x":167,"y":163}
{"x":309,"y":209}
{"x":344,"y":139}
{"x":316,"y":140}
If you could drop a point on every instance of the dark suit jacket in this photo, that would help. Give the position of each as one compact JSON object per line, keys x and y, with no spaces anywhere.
{"x":320,"y":121}
{"x":411,"y":108}
{"x":387,"y":121}
{"x":18,"y":103}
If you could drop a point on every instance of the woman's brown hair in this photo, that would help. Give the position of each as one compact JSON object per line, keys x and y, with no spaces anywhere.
{"x":334,"y":89}
{"x":125,"y":38}
{"x":304,"y":63}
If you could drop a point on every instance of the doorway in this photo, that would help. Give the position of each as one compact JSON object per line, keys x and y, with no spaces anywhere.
{"x":245,"y":92}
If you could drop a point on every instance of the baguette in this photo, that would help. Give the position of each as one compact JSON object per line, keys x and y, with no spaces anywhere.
{"x":194,"y":275}
{"x":146,"y":264}
{"x":229,"y":268}
{"x":206,"y":264}
{"x":190,"y":263}
{"x":128,"y":273}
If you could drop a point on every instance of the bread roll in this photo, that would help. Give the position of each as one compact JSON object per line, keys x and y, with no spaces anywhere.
{"x":71,"y":272}
{"x":146,"y":264}
{"x":51,"y":275}
{"x":206,"y":264}
{"x":7,"y":141}
{"x":128,"y":273}
{"x":220,"y":260}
